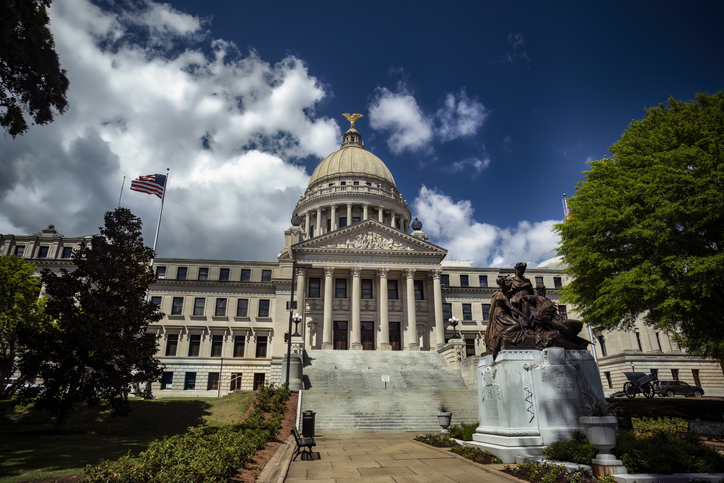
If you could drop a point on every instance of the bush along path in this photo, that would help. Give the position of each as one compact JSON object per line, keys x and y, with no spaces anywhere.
{"x":202,"y":455}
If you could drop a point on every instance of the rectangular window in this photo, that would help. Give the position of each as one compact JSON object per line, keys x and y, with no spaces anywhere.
{"x":258,"y":380}
{"x":167,"y":380}
{"x":483,"y":280}
{"x":261,"y":342}
{"x":199,"y":306}
{"x":239,"y":345}
{"x":356,"y":219}
{"x":266,"y":275}
{"x":43,"y":252}
{"x":446,"y":311}
{"x":181,"y":273}
{"x":557,"y":283}
{"x":445,"y":280}
{"x":342,"y":221}
{"x":366,"y":288}
{"x":220,"y":307}
{"x":356,"y":183}
{"x":608,"y":379}
{"x":160,"y":272}
{"x":538,"y":281}
{"x":340,"y":288}
{"x":171,"y":345}
{"x":245,"y":274}
{"x":343,"y":183}
{"x":329,"y":225}
{"x":486,"y":312}
{"x":177,"y":306}
{"x":392,"y":289}
{"x":242,"y":307}
{"x":675,"y":374}
{"x":19,"y":250}
{"x":217,"y":344}
{"x":464,"y":281}
{"x":467,"y":312}
{"x":224,"y":274}
{"x":264,"y":308}
{"x":469,"y":347}
{"x":203,"y":273}
{"x":563,"y":311}
{"x":156,"y":301}
{"x":314,"y":288}
{"x":602,"y":343}
{"x":655,"y":372}
{"x":190,"y":381}
{"x":235,"y":381}
{"x":194,"y":345}
{"x":213,"y":384}
{"x":67,"y":252}
{"x":419,"y":295}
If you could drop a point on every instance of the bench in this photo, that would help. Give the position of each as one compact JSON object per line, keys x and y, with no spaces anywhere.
{"x":304,"y":445}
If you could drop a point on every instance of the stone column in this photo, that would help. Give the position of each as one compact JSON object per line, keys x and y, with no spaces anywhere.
{"x":299,"y":296}
{"x":411,"y":317}
{"x":333,"y":224}
{"x":384,"y":311}
{"x":349,"y":214}
{"x":328,"y":294}
{"x":306,"y":224}
{"x":318,"y":228}
{"x":381,"y":214}
{"x":364,"y":211}
{"x":437,"y":299}
{"x":392,"y":218}
{"x":356,"y":297}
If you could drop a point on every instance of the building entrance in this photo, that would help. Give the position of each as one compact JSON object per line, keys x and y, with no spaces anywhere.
{"x":395,"y":336}
{"x":340,"y":336}
{"x":368,"y":336}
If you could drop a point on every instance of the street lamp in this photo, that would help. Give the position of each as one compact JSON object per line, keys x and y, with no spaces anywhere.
{"x":454,"y":321}
{"x":296,"y":318}
{"x":295,"y":265}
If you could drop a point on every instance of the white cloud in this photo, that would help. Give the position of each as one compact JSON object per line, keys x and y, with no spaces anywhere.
{"x":227,"y":125}
{"x":459,"y":117}
{"x":452,"y":225}
{"x":475,"y":164}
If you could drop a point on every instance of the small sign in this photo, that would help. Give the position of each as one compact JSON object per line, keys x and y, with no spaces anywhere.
{"x":385,"y":378}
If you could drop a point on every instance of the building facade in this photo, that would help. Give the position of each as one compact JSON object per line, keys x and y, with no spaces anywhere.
{"x":364,"y":276}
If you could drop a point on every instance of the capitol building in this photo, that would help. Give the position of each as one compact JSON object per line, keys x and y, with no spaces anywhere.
{"x":363,"y":276}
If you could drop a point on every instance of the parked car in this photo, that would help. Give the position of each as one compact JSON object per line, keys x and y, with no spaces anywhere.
{"x":675,"y":388}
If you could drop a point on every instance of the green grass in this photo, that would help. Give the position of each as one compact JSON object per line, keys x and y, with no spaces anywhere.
{"x":30,"y":449}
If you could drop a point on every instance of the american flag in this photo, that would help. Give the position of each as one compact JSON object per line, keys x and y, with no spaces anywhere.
{"x":153,"y":184}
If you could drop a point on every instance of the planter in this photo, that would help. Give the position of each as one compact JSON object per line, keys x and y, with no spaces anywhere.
{"x":444,"y":420}
{"x":601,"y":432}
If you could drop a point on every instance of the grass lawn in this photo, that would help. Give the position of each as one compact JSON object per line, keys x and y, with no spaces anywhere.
{"x":30,"y":449}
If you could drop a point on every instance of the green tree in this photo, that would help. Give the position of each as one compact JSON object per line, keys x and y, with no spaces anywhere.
{"x":31,"y":79}
{"x":20,"y":308}
{"x":646,"y":232}
{"x":98,"y":344}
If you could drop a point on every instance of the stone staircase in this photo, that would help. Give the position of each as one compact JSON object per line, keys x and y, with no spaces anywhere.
{"x":346,"y":391}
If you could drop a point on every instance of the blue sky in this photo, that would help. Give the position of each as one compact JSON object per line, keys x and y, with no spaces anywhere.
{"x":485,"y":113}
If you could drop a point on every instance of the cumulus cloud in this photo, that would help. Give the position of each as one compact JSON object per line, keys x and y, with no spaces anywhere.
{"x":475,"y":164}
{"x":150,"y":91}
{"x":452,"y":225}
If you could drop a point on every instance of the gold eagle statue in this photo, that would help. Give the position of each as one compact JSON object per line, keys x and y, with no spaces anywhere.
{"x":352,"y":118}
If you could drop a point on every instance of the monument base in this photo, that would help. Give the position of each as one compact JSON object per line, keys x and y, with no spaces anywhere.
{"x":507,"y":447}
{"x":607,"y":465}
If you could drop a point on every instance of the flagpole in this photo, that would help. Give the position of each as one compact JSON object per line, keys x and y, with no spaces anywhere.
{"x":160,"y":214}
{"x":119,"y":196}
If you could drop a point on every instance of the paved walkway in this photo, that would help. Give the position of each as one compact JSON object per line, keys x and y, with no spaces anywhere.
{"x":386,"y":458}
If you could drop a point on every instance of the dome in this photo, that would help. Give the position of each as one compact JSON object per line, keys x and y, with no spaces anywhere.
{"x":351,"y":160}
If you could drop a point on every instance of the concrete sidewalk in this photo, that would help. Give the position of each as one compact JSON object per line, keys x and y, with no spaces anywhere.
{"x":387,"y":458}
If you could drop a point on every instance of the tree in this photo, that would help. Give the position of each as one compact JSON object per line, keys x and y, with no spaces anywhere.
{"x":20,"y":308}
{"x":646,"y":232}
{"x":98,"y":345}
{"x":31,"y":79}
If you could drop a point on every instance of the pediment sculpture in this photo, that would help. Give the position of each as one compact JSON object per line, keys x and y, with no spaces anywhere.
{"x":370,"y":241}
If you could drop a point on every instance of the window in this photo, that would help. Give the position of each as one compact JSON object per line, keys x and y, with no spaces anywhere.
{"x":194,"y":345}
{"x":340,"y":288}
{"x":446,"y":311}
{"x":368,"y":183}
{"x":602,"y":343}
{"x":171,"y":345}
{"x":314,"y":288}
{"x":557,"y":283}
{"x":258,"y":380}
{"x":356,"y":183}
{"x":235,"y":381}
{"x":167,"y":380}
{"x":224,"y":274}
{"x":392,"y":289}
{"x":156,"y":301}
{"x":366,"y":288}
{"x":469,"y":347}
{"x":181,"y":273}
{"x":177,"y":306}
{"x":638,"y":341}
{"x":419,"y":295}
{"x":19,"y":250}
{"x":483,"y":280}
{"x":160,"y":272}
{"x":467,"y":312}
{"x":245,"y":274}
{"x":563,"y":311}
{"x":264,"y":308}
{"x":43,"y":252}
{"x":68,"y":252}
{"x":261,"y":342}
{"x":343,"y":183}
{"x":464,"y":281}
{"x":266,"y":275}
{"x":486,"y":312}
{"x":242,"y":307}
{"x":203,"y":273}
{"x":217,"y":344}
{"x":220,"y":307}
{"x":675,"y":374}
{"x":342,"y":221}
{"x":190,"y":381}
{"x":356,"y":219}
{"x":608,"y":379}
{"x":445,"y":280}
{"x":655,"y":372}
{"x":199,"y":306}
{"x":213,"y":383}
{"x":538,"y":281}
{"x":239,"y":345}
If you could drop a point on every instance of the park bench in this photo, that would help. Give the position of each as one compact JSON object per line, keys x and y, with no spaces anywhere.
{"x":304,"y":445}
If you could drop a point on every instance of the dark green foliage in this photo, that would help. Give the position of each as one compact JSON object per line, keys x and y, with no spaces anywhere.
{"x":653,"y":425}
{"x":646,"y":232}
{"x":98,"y":345}
{"x":437,"y":440}
{"x":474,"y":454}
{"x":31,"y":79}
{"x":577,"y":449}
{"x":545,"y":472}
{"x":464,"y":432}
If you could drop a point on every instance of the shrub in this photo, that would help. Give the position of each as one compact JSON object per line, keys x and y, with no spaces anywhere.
{"x":463,"y":431}
{"x":667,"y":425}
{"x":577,"y":449}
{"x":475,"y":454}
{"x":437,"y":440}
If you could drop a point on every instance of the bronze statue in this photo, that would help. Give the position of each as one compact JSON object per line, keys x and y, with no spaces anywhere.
{"x":523,"y":318}
{"x":352,"y":118}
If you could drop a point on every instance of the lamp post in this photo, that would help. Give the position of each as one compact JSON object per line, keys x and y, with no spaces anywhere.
{"x":295,"y":265}
{"x":296,"y":318}
{"x":454,"y":322}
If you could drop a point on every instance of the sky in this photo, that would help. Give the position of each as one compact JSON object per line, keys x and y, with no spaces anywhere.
{"x":486,"y":113}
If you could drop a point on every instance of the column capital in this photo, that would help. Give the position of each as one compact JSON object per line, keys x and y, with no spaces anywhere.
{"x":301,"y":272}
{"x":382,"y":272}
{"x":356,"y":272}
{"x":328,"y":271}
{"x":410,"y":273}
{"x":434,"y":274}
{"x":365,"y":204}
{"x":350,"y":204}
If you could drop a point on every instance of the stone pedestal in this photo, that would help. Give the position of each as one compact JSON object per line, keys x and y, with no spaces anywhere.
{"x":529,"y":398}
{"x":453,"y":352}
{"x":607,"y":465}
{"x":295,"y":372}
{"x":355,"y":346}
{"x":385,"y":346}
